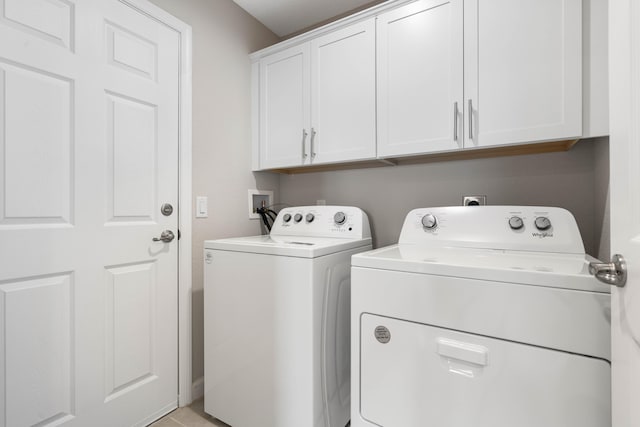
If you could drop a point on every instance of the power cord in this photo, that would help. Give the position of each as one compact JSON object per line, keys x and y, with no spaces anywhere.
{"x":267,"y":215}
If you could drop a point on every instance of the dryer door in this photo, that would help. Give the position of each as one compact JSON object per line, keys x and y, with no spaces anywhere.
{"x":414,"y":373}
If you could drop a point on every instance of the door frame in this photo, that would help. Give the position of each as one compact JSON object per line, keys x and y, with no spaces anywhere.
{"x":184,"y":391}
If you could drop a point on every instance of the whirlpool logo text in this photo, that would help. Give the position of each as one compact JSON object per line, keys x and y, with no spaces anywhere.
{"x":542,"y":235}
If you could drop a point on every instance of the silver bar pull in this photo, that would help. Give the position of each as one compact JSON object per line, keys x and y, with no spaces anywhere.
{"x":166,"y":236}
{"x":613,"y":273}
{"x":470,"y":119}
{"x":304,"y":143}
{"x":313,"y":137}
{"x":455,"y":121}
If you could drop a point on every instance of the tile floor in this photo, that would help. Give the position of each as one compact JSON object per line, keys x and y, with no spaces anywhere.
{"x":189,"y":416}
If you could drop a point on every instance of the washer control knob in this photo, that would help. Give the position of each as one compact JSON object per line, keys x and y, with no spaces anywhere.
{"x":310,"y":217}
{"x":339,"y":218}
{"x":542,"y":223}
{"x":429,"y":221}
{"x":516,"y":223}
{"x":286,"y":217}
{"x":297,"y":217}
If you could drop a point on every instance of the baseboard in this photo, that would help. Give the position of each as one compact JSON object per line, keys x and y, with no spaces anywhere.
{"x":197,"y":389}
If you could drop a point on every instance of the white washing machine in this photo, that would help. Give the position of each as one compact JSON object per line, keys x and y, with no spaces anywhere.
{"x":480,"y":316}
{"x":277,"y":332}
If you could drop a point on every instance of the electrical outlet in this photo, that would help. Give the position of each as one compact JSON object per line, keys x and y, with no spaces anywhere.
{"x":474,"y":200}
{"x":258,"y":198}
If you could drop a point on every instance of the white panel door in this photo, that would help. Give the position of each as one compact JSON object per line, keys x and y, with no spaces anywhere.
{"x":343,"y":93}
{"x":523,"y":71}
{"x":420,"y":77}
{"x":285,"y":108}
{"x":88,"y":153}
{"x":624,"y":84}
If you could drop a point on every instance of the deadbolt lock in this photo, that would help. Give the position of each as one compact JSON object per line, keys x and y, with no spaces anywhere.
{"x":166,"y":209}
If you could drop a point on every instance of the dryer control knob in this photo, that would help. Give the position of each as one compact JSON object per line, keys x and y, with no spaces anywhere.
{"x":542,"y":223}
{"x":339,"y":218}
{"x":298,"y":217}
{"x":516,"y":223}
{"x":429,"y":221}
{"x":310,"y":217}
{"x":286,"y":217}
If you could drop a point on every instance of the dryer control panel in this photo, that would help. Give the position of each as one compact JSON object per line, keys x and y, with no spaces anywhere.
{"x":523,"y":228}
{"x":322,"y":221}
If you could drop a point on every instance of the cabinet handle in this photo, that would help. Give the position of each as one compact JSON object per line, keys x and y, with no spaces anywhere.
{"x":455,"y":121}
{"x":470,"y":120}
{"x":313,"y":137}
{"x":304,"y":143}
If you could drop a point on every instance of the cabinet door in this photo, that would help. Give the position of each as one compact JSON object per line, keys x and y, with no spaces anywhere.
{"x":343,"y":93}
{"x":284,"y":108}
{"x":420,"y":78}
{"x":523,"y":72}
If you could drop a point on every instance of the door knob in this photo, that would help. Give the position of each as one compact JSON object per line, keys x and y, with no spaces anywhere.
{"x":613,"y":273}
{"x":166,"y":236}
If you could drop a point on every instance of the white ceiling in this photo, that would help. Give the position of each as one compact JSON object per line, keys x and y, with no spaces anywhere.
{"x":285,"y":17}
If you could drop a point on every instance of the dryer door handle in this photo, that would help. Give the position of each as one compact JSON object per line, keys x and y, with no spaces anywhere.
{"x":466,"y":352}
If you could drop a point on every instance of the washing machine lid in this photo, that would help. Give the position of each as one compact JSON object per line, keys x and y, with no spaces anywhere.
{"x":558,"y":270}
{"x":293,"y":246}
{"x":306,"y":232}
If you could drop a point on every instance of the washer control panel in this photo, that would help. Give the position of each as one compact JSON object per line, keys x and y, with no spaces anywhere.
{"x":527,"y":228}
{"x":322,"y":221}
{"x":542,"y":223}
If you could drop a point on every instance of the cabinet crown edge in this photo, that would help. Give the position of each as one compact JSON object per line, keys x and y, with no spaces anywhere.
{"x":371,"y":12}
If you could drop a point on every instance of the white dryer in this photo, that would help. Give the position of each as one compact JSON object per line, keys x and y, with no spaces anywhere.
{"x":480,"y":316}
{"x":276,"y":321}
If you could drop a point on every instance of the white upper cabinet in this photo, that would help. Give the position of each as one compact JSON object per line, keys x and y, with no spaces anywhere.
{"x":284,"y":108}
{"x":522,"y":71}
{"x":420,"y":76}
{"x":408,"y":78}
{"x":343,"y":94}
{"x":317,"y":100}
{"x":521,"y":80}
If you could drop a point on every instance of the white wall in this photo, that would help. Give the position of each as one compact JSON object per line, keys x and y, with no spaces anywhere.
{"x":563,"y":179}
{"x":223,"y":37}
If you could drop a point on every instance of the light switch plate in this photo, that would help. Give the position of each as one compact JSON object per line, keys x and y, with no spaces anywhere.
{"x":202,"y":207}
